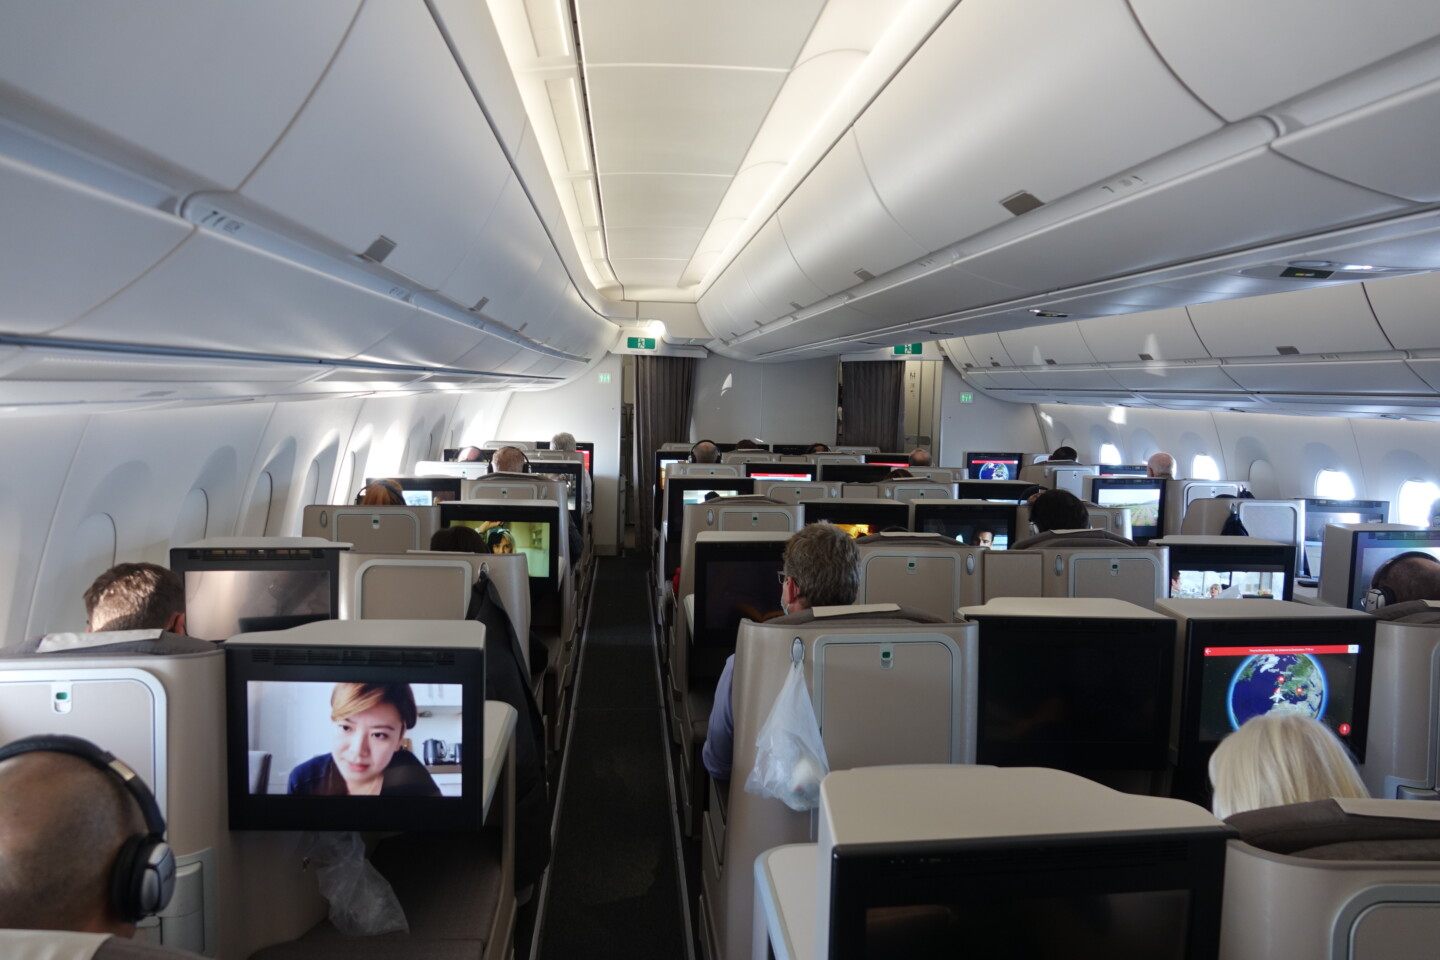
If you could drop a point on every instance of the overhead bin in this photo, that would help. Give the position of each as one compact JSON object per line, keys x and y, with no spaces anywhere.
{"x":1093,"y":377}
{"x":1050,"y":344}
{"x":740,"y":304}
{"x":1321,"y":378}
{"x":1325,"y":320}
{"x":1242,"y":57}
{"x":837,"y":228}
{"x":207,"y":87}
{"x":931,"y":292}
{"x":427,"y":340}
{"x":503,"y":259}
{"x":1408,"y":310}
{"x":1427,"y":369}
{"x":216,"y":294}
{"x":471,"y":29}
{"x":1151,"y":336}
{"x":774,"y":276}
{"x":989,"y":350}
{"x":1179,"y":375}
{"x":391,"y":145}
{"x":840,"y":321}
{"x":970,"y":121}
{"x":64,"y":248}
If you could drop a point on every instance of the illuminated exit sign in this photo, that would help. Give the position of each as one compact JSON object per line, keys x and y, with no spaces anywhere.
{"x":640,"y":343}
{"x":915,"y":349}
{"x":967,"y":398}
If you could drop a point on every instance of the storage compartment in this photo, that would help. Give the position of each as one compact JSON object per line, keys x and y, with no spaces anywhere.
{"x":426,"y":339}
{"x":931,"y":293}
{"x":837,"y":322}
{"x":504,"y":258}
{"x":1073,"y":378}
{"x":836,"y":227}
{"x":1342,"y":377}
{"x":1050,"y":343}
{"x":1154,"y":335}
{"x":775,"y":278}
{"x":1323,"y":320}
{"x":392,"y":144}
{"x":989,"y":350}
{"x":208,"y":87}
{"x":1408,"y":310}
{"x":1241,"y":57}
{"x":968,"y":123}
{"x":1185,"y":375}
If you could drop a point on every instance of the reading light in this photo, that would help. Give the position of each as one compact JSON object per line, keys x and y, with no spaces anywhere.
{"x":1046,"y":313}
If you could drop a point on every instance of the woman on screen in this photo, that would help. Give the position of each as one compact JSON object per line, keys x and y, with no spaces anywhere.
{"x":365,"y":758}
{"x":500,"y":540}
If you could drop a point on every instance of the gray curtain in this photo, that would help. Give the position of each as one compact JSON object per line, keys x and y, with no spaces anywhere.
{"x":664,"y":399}
{"x":872,"y":411}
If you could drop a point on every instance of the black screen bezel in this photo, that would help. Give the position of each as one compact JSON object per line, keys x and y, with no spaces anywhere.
{"x":185,"y":560}
{"x":295,"y":663}
{"x":981,"y":456}
{"x":1003,"y":490}
{"x":570,"y":468}
{"x":1140,"y":483}
{"x":1237,"y":557}
{"x":885,"y":514}
{"x":725,"y":551}
{"x":853,"y":472}
{"x":972,"y":512}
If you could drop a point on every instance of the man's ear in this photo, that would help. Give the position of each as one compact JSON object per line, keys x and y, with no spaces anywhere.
{"x":175,"y":624}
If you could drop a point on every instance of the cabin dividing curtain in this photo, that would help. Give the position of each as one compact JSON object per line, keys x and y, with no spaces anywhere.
{"x":872,"y":411}
{"x":664,"y":400}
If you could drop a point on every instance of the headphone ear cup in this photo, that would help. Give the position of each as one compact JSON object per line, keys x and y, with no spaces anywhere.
{"x":143,"y":878}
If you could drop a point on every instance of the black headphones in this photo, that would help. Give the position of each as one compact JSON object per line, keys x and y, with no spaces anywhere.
{"x":490,"y":464}
{"x":1381,"y":596}
{"x":691,"y":457}
{"x":143,"y":878}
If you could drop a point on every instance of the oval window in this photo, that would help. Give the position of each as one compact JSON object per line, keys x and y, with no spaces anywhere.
{"x":1204,"y":467}
{"x":1416,"y":499}
{"x":1109,"y":453}
{"x":1334,"y":485}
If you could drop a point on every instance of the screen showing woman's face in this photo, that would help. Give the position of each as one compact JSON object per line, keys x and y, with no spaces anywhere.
{"x":504,"y":545}
{"x":364,"y":743}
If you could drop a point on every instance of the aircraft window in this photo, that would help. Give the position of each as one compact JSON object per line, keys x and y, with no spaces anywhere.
{"x":1109,"y":453}
{"x":1416,"y":499}
{"x":1204,"y":467}
{"x":1334,"y":485}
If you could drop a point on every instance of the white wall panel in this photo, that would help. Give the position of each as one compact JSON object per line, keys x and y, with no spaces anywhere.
{"x":391,"y":143}
{"x":590,"y":409}
{"x":777,"y":402}
{"x":1158,"y":334}
{"x":216,"y":294}
{"x":835,"y":225}
{"x":1322,"y":320}
{"x":1408,"y":309}
{"x":1300,"y":449}
{"x":1392,"y":452}
{"x":1241,"y":57}
{"x":967,"y":123}
{"x":982,"y":424}
{"x":206,"y":86}
{"x":64,"y":248}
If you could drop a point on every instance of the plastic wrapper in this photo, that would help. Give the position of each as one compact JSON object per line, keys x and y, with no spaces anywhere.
{"x":790,"y":757}
{"x":362,"y":902}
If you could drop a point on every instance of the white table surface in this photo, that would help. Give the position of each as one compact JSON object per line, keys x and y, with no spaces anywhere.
{"x":499,"y":731}
{"x":785,"y":893}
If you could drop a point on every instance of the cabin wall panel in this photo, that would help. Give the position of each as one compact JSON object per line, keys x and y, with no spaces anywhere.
{"x":208,"y":87}
{"x":590,"y":409}
{"x":777,"y":402}
{"x":982,"y":424}
{"x":1392,"y":452}
{"x":1302,"y":448}
{"x":1136,"y":432}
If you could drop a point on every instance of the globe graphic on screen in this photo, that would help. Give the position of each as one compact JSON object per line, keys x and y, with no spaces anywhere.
{"x":1277,"y":683}
{"x":994,"y":471}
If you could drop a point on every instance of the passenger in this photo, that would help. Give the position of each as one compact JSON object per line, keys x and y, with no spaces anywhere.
{"x":468,"y":455}
{"x":563,"y":442}
{"x":985,"y":538}
{"x":1280,"y":758}
{"x":1161,"y":466}
{"x":749,"y":445}
{"x":366,"y":757}
{"x":510,"y":460}
{"x":63,"y":823}
{"x":1063,"y":454}
{"x":381,"y":493}
{"x":136,"y":596}
{"x":458,"y":539}
{"x":1402,"y":580}
{"x":1062,"y":519}
{"x":705,"y":452}
{"x":818,"y":448}
{"x":899,"y":473}
{"x":919,"y":457}
{"x":822,"y":568}
{"x":500,"y":540}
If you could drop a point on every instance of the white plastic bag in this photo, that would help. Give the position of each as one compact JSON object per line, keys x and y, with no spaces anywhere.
{"x":790,"y":760}
{"x":362,"y":902}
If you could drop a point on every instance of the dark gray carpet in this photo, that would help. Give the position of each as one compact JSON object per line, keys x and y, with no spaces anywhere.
{"x":614,"y":891}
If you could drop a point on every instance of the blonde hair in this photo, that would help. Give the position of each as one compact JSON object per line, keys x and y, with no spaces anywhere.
{"x":1275,"y":759}
{"x":348,"y":699}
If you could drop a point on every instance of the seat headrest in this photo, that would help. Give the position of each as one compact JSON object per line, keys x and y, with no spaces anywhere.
{"x":1345,"y":829}
{"x":889,"y":613}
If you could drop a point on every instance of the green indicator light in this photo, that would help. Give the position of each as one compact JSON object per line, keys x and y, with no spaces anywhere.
{"x":62,"y":696}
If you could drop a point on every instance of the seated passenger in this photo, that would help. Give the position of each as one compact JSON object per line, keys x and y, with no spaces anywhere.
{"x":1062,"y":519}
{"x":468,"y":455}
{"x":514,"y":460}
{"x":1160,"y":465}
{"x":563,"y":441}
{"x":749,"y":445}
{"x":64,"y":822}
{"x":136,"y":596}
{"x":458,"y":539}
{"x":822,"y":568}
{"x":381,"y":493}
{"x":818,"y":448}
{"x":1401,"y":585}
{"x":899,"y":473}
{"x":705,"y":451}
{"x":366,"y":758}
{"x":510,"y":460}
{"x":919,"y":457}
{"x":1280,"y":758}
{"x":1063,"y":454}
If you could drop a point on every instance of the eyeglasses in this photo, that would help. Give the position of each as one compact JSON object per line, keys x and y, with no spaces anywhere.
{"x":782,"y":576}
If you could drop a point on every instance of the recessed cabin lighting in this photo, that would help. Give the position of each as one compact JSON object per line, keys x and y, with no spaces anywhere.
{"x":1047,"y":313}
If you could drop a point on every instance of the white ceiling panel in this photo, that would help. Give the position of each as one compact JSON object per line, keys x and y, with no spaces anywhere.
{"x":793,"y":115}
{"x":676,"y":119}
{"x":661,"y":199}
{"x":652,"y":243}
{"x":742,"y":33}
{"x":648,"y":273}
{"x":1408,"y":309}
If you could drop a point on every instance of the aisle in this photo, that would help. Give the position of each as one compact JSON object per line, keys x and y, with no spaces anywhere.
{"x":614,"y":889}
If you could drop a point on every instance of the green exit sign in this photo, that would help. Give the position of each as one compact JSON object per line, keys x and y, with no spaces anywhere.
{"x":909,"y":348}
{"x":604,"y":378}
{"x":640,"y":343}
{"x":967,"y":398}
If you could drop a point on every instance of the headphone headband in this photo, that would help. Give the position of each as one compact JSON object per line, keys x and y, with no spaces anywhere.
{"x":1379,"y":594}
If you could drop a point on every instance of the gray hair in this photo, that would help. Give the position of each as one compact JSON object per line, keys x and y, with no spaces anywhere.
{"x":825,"y":565}
{"x":563,"y":441}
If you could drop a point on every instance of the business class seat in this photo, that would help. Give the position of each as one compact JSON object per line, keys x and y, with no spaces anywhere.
{"x":909,"y":490}
{"x":373,"y":529}
{"x":1081,"y":567}
{"x":936,"y":474}
{"x":889,"y":686}
{"x":794,"y":491}
{"x":1344,"y":879}
{"x":922,"y":571}
{"x":1403,"y":746}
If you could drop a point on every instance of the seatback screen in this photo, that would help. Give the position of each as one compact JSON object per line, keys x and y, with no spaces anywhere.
{"x":222,"y":603}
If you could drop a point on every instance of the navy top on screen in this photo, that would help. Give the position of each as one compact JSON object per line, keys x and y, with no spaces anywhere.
{"x":406,"y":776}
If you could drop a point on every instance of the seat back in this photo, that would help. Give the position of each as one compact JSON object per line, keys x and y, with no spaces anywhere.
{"x":511,"y":575}
{"x":507,"y":487}
{"x":747,"y":456}
{"x":1365,"y":874}
{"x":744,"y":514}
{"x":915,"y":705}
{"x":526,"y":445}
{"x":837,"y":457}
{"x":860,"y":491}
{"x":746,"y":589}
{"x":372,"y":529}
{"x":1136,"y":574}
{"x":793,"y":491}
{"x":1114,"y":520}
{"x":405,"y":586}
{"x":923,"y":571}
{"x":937,"y":474}
{"x":1179,"y":494}
{"x":908,"y":490}
{"x":705,"y":470}
{"x":1402,"y":753}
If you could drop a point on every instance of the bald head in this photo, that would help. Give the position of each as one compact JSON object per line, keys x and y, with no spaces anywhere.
{"x":62,"y":823}
{"x":509,"y":460}
{"x":705,"y":452}
{"x":1161,"y":465}
{"x":1413,"y":578}
{"x":919,"y":457}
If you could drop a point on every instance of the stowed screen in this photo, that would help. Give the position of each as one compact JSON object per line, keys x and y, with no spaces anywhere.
{"x":310,"y":739}
{"x":222,"y":603}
